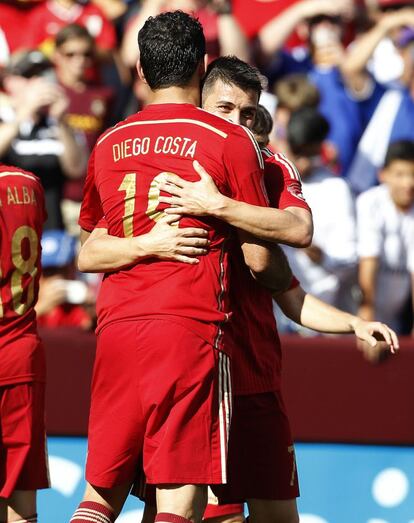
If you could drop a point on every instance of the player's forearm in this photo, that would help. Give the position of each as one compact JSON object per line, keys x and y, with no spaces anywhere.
{"x":309,"y":311}
{"x":274,"y":271}
{"x":367,"y":275}
{"x":110,"y":253}
{"x":265,"y":223}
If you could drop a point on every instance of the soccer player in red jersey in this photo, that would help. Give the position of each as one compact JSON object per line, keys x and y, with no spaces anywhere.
{"x":253,"y":333}
{"x":266,"y":476}
{"x":161,"y":371}
{"x":23,"y":467}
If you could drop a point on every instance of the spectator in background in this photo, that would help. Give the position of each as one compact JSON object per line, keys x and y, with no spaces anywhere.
{"x":50,"y":16}
{"x":63,"y":299}
{"x":325,"y":268}
{"x":33,"y":132}
{"x":223,"y":33}
{"x":385,"y":217}
{"x":393,"y":118}
{"x":294,"y":92}
{"x":89,"y":104}
{"x":386,"y":64}
{"x":324,"y":23}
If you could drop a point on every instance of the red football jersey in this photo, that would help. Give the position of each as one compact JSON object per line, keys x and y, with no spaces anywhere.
{"x":49,"y":17}
{"x":22,"y":213}
{"x":252,"y":334}
{"x":125,"y":168}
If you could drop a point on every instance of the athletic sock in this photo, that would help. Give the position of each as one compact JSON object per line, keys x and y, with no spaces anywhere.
{"x":170,"y":518}
{"x":31,"y":519}
{"x":91,"y":511}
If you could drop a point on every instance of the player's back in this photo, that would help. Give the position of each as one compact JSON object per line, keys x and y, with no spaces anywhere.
{"x":21,"y":220}
{"x":129,"y":162}
{"x":22,"y":213}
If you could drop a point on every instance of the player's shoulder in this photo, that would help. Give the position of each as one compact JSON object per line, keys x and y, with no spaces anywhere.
{"x":230,"y":128}
{"x":10,"y":171}
{"x":272,"y":158}
{"x":236,"y":135}
{"x":130,"y":120}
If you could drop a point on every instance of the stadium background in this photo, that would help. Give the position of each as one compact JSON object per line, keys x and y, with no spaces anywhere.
{"x":335,"y":399}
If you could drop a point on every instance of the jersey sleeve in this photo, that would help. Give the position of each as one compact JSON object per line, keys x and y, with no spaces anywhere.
{"x":283,"y":183}
{"x":91,"y":209}
{"x":368,"y":227}
{"x":102,"y":224}
{"x":244,"y":164}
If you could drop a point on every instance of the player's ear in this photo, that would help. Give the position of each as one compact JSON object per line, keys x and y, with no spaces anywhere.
{"x":202,"y":68}
{"x":141,"y":74}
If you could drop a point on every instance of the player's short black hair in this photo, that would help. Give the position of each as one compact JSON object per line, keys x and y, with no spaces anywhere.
{"x":306,"y":127}
{"x":171,"y":46}
{"x":232,"y":71}
{"x":262,"y":125}
{"x":401,"y":150}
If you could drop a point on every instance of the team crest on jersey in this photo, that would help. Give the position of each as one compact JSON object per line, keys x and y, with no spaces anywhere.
{"x":296,"y":190}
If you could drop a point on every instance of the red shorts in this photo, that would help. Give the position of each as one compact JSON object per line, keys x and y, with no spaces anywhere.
{"x":261,"y":462}
{"x":23,"y":456}
{"x":161,"y":391}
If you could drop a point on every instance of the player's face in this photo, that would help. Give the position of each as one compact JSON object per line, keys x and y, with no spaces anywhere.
{"x":232,"y":103}
{"x":399,"y":176}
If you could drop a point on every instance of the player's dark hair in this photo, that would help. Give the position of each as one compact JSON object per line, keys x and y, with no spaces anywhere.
{"x":262,"y":125}
{"x":232,"y":71}
{"x":401,"y":150}
{"x":171,"y":46}
{"x":73,"y":32}
{"x":306,"y":127}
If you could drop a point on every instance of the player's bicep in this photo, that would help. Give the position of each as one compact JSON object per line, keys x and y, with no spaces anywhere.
{"x":256,"y":253}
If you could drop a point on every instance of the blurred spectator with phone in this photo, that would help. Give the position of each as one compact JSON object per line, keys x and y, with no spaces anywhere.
{"x":33,"y":132}
{"x":63,"y":299}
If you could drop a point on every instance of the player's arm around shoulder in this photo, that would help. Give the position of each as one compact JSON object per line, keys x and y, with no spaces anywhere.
{"x":102,"y":252}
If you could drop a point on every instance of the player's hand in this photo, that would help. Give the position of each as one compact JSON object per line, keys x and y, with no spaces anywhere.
{"x":374,"y":338}
{"x":169,"y":242}
{"x":193,"y":198}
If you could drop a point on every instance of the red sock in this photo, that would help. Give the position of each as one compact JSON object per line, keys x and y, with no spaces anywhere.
{"x":91,"y":511}
{"x":170,"y":518}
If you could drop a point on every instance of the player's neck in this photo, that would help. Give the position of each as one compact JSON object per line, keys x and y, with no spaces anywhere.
{"x":177,"y":95}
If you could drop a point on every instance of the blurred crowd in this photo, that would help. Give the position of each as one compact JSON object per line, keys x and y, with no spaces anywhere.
{"x":339,"y":102}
